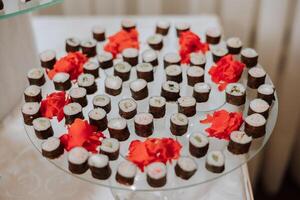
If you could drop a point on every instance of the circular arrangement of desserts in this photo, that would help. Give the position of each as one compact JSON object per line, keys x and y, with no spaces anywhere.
{"x":148,"y":93}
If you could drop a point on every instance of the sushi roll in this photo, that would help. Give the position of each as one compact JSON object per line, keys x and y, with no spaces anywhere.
{"x":266,"y":92}
{"x":126,"y":173}
{"x":185,"y":167}
{"x":89,"y":47}
{"x":48,"y":59}
{"x":239,"y":142}
{"x":194,"y":75}
{"x":105,"y":60}
{"x":102,"y":101}
{"x":256,"y":77}
{"x":91,"y":68}
{"x":145,"y":71}
{"x":98,"y":33}
{"x":218,"y":52}
{"x":174,"y":73}
{"x":118,"y":129}
{"x":87,"y":81}
{"x":30,"y":112}
{"x":150,"y":56}
{"x":181,"y":27}
{"x":197,"y":59}
{"x":255,"y":125}
{"x":201,"y":92}
{"x":162,"y":27}
{"x":122,"y":70}
{"x":157,"y":106}
{"x":178,"y":124}
{"x":139,"y":89}
{"x":249,"y":57}
{"x":78,"y":95}
{"x":72,"y":44}
{"x":234,"y":45}
{"x":72,"y":111}
{"x":171,"y":59}
{"x":155,"y":42}
{"x":213,"y":36}
{"x":78,"y":160}
{"x":156,"y":174}
{"x":110,"y":147}
{"x":170,"y":91}
{"x":235,"y":94}
{"x":42,"y":128}
{"x":36,"y":76}
{"x":143,"y":123}
{"x":187,"y":106}
{"x":127,"y":108}
{"x":259,"y":106}
{"x":98,"y":119}
{"x":99,"y":166}
{"x":198,"y":145}
{"x":215,"y":162}
{"x":33,"y":93}
{"x":128,"y":24}
{"x":131,"y":56}
{"x":113,"y":85}
{"x":62,"y":81}
{"x":52,"y":148}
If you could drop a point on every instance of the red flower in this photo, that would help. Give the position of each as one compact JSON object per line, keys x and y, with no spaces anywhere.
{"x":227,"y":70}
{"x":122,"y":40}
{"x":53,"y":105}
{"x":223,"y":123}
{"x":153,"y":150}
{"x":81,"y":134}
{"x":72,"y":64}
{"x":190,"y":42}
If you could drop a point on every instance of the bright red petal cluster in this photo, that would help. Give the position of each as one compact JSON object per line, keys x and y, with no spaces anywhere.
{"x":53,"y":105}
{"x":152,"y":150}
{"x":227,"y":70}
{"x":190,"y":42}
{"x":72,"y":64}
{"x":81,"y":134}
{"x":122,"y":40}
{"x":223,"y":123}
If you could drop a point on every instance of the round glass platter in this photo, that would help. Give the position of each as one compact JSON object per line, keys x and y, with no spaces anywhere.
{"x":16,"y":7}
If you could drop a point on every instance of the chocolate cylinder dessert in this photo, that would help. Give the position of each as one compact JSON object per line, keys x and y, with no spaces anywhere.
{"x":98,"y":33}
{"x":201,"y":92}
{"x":162,"y":27}
{"x":128,"y":24}
{"x":198,"y":145}
{"x":174,"y":73}
{"x":213,"y":36}
{"x":127,"y":108}
{"x":122,"y":70}
{"x":187,"y":106}
{"x":197,"y":59}
{"x":181,"y":27}
{"x":145,"y":71}
{"x":170,"y":90}
{"x":171,"y":59}
{"x":179,"y":124}
{"x":52,"y":148}
{"x":118,"y":129}
{"x":72,"y":111}
{"x":235,"y":94}
{"x":185,"y":167}
{"x":72,"y":44}
{"x":78,"y":160}
{"x":98,"y":119}
{"x":157,"y":106}
{"x":194,"y":75}
{"x":91,"y":68}
{"x":156,"y":174}
{"x":255,"y":125}
{"x":33,"y":93}
{"x":105,"y":60}
{"x":42,"y":128}
{"x":88,"y":48}
{"x":234,"y":45}
{"x":215,"y":162}
{"x":139,"y":89}
{"x":155,"y":42}
{"x":256,"y":77}
{"x":239,"y":142}
{"x":143,"y":123}
{"x":99,"y":166}
{"x":249,"y":57}
{"x":266,"y":92}
{"x":110,"y":147}
{"x":150,"y":56}
{"x":62,"y":81}
{"x":87,"y":81}
{"x":48,"y":59}
{"x":259,"y":106}
{"x":218,"y":52}
{"x":78,"y":95}
{"x":113,"y":85}
{"x":36,"y":76}
{"x":126,"y":173}
{"x":102,"y":101}
{"x":131,"y":56}
{"x":30,"y":111}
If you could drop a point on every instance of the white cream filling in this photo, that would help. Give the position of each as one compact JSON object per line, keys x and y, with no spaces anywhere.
{"x":143,"y":118}
{"x":156,"y":170}
{"x":163,"y":24}
{"x":122,"y":67}
{"x":255,"y":120}
{"x":35,"y":73}
{"x":173,"y":70}
{"x":257,"y":72}
{"x":30,"y":108}
{"x":61,"y":77}
{"x":179,"y":119}
{"x":219,"y":51}
{"x":197,"y":58}
{"x":240,"y":137}
{"x":101,"y":100}
{"x":195,"y":71}
{"x":113,"y":82}
{"x":213,"y":32}
{"x":104,"y":56}
{"x":155,"y":39}
{"x":88,"y":43}
{"x":138,"y":85}
{"x":266,"y":89}
{"x":234,"y":42}
{"x":187,"y":163}
{"x":110,"y":145}
{"x":130,"y":53}
{"x":182,"y":26}
{"x":127,"y":169}
{"x":98,"y":160}
{"x":215,"y":158}
{"x":149,"y":55}
{"x":78,"y":155}
{"x":78,"y":92}
{"x":32,"y":90}
{"x":172,"y":57}
{"x":249,"y":53}
{"x":235,"y":89}
{"x":259,"y":105}
{"x":157,"y":101}
{"x":85,"y":80}
{"x":201,"y":88}
{"x":198,"y":140}
{"x":90,"y":65}
{"x":186,"y":101}
{"x":117,"y":123}
{"x":97,"y":114}
{"x":144,"y":67}
{"x":41,"y":124}
{"x":47,"y":55}
{"x":171,"y":86}
{"x":127,"y":105}
{"x":72,"y":109}
{"x":51,"y":144}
